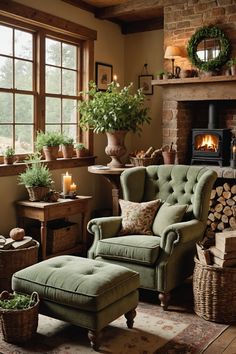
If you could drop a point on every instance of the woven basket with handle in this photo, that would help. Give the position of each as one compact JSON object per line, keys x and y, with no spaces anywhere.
{"x":214,"y":290}
{"x":18,"y":326}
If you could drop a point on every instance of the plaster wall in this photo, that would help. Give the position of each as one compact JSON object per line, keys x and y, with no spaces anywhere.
{"x":113,"y":48}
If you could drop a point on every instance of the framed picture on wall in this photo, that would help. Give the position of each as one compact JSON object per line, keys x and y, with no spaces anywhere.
{"x":145,"y":82}
{"x":103,"y":75}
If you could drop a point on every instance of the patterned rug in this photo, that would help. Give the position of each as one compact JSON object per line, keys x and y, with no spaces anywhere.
{"x":155,"y":331}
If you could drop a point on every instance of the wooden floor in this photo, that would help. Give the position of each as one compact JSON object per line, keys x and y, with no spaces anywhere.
{"x":225,"y":343}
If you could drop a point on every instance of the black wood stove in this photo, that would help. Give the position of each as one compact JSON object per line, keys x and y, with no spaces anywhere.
{"x":211,"y":145}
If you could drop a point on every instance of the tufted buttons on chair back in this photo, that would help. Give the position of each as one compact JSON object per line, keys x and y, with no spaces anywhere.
{"x":175,"y":184}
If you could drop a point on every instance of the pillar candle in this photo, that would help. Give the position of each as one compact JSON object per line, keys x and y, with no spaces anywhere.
{"x":234,"y":152}
{"x":66,"y":182}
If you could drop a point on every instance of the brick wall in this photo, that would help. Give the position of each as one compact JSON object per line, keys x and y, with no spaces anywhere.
{"x":180,"y":23}
{"x":183,"y":19}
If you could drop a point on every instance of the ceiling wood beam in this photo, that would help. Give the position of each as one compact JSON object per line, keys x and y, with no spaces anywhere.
{"x":82,"y":5}
{"x":143,"y":26}
{"x":130,"y":7}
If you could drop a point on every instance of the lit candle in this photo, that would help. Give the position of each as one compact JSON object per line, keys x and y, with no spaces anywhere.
{"x":114,"y":77}
{"x":73,"y":187}
{"x":66,"y":182}
{"x":234,"y":152}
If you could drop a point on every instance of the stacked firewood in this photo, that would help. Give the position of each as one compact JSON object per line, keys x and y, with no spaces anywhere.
{"x":222,"y":209}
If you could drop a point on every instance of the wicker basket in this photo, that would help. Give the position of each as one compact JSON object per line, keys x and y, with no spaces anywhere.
{"x":143,"y":161}
{"x":214,"y":291}
{"x":13,"y":260}
{"x":36,"y":194}
{"x":18,"y":326}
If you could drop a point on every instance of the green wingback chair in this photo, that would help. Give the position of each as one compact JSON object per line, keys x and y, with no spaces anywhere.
{"x":163,"y":260}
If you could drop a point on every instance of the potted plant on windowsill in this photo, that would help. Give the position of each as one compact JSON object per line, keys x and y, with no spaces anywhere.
{"x":114,"y":112}
{"x":81,"y":150}
{"x":36,"y":178}
{"x":8,"y":155}
{"x":67,"y":147}
{"x":49,"y":143}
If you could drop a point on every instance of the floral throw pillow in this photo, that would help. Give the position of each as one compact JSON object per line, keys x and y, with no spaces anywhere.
{"x":137,"y":218}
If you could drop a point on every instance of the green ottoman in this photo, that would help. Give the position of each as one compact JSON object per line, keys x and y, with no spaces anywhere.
{"x":82,"y":291}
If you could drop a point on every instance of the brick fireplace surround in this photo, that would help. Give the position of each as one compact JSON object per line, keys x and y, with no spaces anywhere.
{"x":185,"y":101}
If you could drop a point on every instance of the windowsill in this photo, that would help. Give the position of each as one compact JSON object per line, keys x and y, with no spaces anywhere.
{"x":16,"y":168}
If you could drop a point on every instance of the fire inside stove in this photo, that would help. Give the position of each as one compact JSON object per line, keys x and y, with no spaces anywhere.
{"x":206,"y":142}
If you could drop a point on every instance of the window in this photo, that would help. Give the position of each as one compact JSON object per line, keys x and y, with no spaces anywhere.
{"x":41,"y":74}
{"x":17,"y":93}
{"x":61,"y":79}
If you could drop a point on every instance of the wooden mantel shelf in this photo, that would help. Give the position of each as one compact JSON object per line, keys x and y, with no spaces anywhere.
{"x":194,"y":80}
{"x":198,"y":88}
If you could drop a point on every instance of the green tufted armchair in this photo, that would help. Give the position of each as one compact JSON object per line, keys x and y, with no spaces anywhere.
{"x":163,"y":260}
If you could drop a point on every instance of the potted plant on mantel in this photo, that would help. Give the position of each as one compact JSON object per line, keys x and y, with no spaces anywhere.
{"x":36,"y":178}
{"x":49,"y":143}
{"x":114,"y":112}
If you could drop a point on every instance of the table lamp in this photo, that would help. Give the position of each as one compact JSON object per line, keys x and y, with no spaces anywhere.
{"x":172,"y":52}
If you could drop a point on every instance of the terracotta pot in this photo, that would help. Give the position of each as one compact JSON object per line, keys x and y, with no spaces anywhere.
{"x":169,"y":157}
{"x":50,"y":152}
{"x":81,"y":152}
{"x":67,"y":151}
{"x":8,"y":160}
{"x":115,"y":147}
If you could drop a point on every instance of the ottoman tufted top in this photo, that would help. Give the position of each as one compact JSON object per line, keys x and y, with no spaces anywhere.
{"x":77,"y":282}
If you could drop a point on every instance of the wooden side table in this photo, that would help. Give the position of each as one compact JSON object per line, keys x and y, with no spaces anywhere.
{"x":63,"y":208}
{"x":112,"y":175}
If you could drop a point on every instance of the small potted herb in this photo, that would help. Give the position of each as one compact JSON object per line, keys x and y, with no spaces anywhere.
{"x":67,"y":147}
{"x":81,"y":150}
{"x":36,"y":178}
{"x":8,"y":155}
{"x":160,"y":75}
{"x":49,"y":143}
{"x":232,"y":65}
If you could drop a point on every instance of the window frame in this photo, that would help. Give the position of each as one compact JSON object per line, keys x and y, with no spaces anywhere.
{"x":46,"y":25}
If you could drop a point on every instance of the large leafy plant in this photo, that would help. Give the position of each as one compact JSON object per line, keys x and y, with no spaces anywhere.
{"x":114,"y":109}
{"x":36,"y":173}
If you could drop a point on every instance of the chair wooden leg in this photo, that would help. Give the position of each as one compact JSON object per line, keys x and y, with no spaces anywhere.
{"x":130,"y":318}
{"x":93,"y":337}
{"x":164,"y":299}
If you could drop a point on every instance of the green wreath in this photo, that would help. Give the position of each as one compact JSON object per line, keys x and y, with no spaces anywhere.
{"x":204,"y":33}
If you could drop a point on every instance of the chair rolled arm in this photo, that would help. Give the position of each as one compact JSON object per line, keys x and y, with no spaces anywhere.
{"x":102,"y":228}
{"x":105,"y":227}
{"x":182,"y":232}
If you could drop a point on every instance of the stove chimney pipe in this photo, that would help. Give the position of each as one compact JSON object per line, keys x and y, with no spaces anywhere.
{"x":212,"y":116}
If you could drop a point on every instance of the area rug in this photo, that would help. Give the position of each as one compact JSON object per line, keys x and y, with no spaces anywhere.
{"x":155,"y":332}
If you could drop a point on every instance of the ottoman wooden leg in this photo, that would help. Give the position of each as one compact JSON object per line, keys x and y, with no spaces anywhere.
{"x":93,"y":336}
{"x":130,"y":318}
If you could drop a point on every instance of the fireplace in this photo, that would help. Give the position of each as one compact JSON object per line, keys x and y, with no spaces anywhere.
{"x":211,"y":145}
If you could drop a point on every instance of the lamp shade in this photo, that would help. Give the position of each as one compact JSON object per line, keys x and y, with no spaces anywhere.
{"x":172,"y":52}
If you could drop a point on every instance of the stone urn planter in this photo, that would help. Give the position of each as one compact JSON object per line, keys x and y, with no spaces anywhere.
{"x":115,"y":147}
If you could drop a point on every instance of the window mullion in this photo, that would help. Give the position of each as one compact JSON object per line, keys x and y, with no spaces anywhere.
{"x":40,"y":81}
